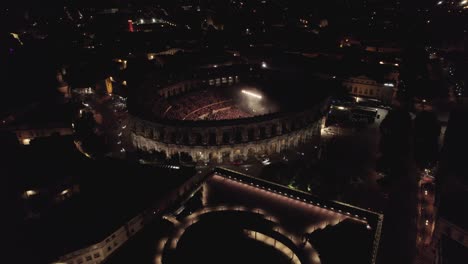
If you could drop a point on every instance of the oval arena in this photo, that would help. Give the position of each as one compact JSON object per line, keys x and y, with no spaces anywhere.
{"x":226,"y":113}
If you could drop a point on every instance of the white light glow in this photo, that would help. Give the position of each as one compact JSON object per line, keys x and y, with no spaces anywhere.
{"x":252,"y":94}
{"x":31,"y":193}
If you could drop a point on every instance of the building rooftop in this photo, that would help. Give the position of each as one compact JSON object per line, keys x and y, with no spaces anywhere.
{"x":111,"y":192}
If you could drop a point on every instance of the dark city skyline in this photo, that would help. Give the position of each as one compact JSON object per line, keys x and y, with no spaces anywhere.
{"x":234,"y":131}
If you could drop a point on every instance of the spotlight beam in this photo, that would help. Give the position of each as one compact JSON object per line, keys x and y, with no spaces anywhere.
{"x":252,"y":94}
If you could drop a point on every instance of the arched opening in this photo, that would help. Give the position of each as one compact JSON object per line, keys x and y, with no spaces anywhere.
{"x":198,"y":138}
{"x":238,"y":154}
{"x":273,"y":148}
{"x":238,"y":136}
{"x":149,"y":133}
{"x":212,"y":138}
{"x":274,"y":130}
{"x":251,"y":134}
{"x":226,"y":156}
{"x":160,"y":155}
{"x":226,"y":137}
{"x":175,"y":157}
{"x":173,"y":137}
{"x":185,"y":139}
{"x":293,"y":126}
{"x":285,"y":127}
{"x":185,"y":157}
{"x":262,"y":132}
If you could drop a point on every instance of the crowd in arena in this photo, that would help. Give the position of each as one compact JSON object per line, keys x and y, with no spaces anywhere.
{"x":232,"y":113}
{"x":199,"y":105}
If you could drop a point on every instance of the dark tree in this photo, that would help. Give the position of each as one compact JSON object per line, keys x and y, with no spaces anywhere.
{"x":426,"y":139}
{"x":395,"y":139}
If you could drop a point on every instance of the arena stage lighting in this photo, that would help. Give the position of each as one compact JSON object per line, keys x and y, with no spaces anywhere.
{"x":252,"y":94}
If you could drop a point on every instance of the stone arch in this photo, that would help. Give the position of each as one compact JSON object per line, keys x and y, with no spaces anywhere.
{"x":173,"y":137}
{"x":211,"y":156}
{"x":161,"y":134}
{"x":251,"y":153}
{"x":185,"y":138}
{"x":212,"y":138}
{"x":198,"y":139}
{"x":226,"y":138}
{"x":238,"y":135}
{"x":251,"y":134}
{"x":226,"y":155}
{"x":284,"y":127}
{"x":237,"y":154}
{"x":185,"y":157}
{"x":274,"y":130}
{"x":262,"y":132}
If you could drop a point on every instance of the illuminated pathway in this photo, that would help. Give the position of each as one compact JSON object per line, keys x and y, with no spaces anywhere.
{"x":302,"y":214}
{"x":426,"y":215}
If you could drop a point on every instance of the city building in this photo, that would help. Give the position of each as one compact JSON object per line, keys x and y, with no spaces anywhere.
{"x":363,"y":86}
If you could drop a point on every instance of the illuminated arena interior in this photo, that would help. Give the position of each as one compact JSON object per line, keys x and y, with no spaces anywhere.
{"x":227,"y":113}
{"x":221,"y":103}
{"x":227,"y":93}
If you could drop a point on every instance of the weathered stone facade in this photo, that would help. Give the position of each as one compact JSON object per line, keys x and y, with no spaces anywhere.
{"x":228,"y":139}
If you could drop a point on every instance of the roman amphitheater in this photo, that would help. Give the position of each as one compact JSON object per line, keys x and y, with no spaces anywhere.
{"x":223,"y":113}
